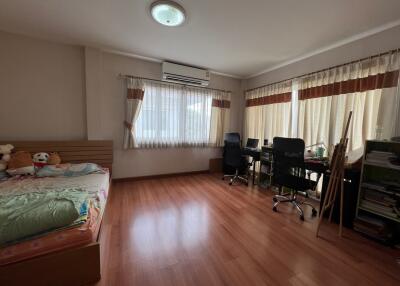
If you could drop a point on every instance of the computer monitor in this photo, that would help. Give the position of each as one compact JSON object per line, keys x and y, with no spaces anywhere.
{"x":252,"y":143}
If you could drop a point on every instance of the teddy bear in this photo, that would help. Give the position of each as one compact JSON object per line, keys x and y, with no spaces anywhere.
{"x":54,"y":159}
{"x":21,"y":164}
{"x":5,"y":151}
{"x":40,"y":159}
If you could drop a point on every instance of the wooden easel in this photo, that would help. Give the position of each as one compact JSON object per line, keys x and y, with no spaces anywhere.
{"x":336,"y":179}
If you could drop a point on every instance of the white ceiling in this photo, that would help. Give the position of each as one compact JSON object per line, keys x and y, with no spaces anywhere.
{"x":237,"y":37}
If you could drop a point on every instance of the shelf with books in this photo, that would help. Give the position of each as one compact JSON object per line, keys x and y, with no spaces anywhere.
{"x":379,"y":195}
{"x":382,"y":165}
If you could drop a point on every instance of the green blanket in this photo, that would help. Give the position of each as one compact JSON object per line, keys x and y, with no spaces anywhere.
{"x":29,"y":214}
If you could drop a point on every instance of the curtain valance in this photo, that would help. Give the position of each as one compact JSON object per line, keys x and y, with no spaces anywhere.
{"x":378,"y":81}
{"x":271,"y":94}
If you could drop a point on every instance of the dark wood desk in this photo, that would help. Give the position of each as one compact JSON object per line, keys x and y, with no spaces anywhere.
{"x":316,"y":165}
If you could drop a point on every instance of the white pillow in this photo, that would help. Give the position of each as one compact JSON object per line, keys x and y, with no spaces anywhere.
{"x":28,"y":170}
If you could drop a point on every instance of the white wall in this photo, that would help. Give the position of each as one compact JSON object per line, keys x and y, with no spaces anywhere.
{"x":106,"y":110}
{"x":375,"y":44}
{"x":41,"y":90}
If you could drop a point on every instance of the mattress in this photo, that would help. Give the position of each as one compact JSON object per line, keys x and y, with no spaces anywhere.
{"x":96,"y":185}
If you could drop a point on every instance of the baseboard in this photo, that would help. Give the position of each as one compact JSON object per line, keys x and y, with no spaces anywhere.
{"x":149,"y":177}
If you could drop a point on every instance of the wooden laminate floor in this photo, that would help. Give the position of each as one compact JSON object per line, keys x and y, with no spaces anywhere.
{"x":198,"y":230}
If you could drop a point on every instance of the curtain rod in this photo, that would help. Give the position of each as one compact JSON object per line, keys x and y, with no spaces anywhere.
{"x":314,"y":72}
{"x":165,"y":82}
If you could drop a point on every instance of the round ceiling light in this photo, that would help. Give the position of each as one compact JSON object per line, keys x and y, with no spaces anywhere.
{"x":167,"y":13}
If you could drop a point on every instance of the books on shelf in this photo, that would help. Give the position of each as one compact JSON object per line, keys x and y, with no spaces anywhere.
{"x":384,"y":198}
{"x":390,"y":188}
{"x":380,"y":198}
{"x":374,"y":186}
{"x":383,"y":159}
{"x":388,"y":211}
{"x":373,"y":227}
{"x":379,"y":155}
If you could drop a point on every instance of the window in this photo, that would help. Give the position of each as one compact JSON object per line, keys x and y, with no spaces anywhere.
{"x":173,"y":115}
{"x":319,"y":104}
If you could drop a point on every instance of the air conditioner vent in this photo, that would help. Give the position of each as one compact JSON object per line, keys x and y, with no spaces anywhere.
{"x":185,"y":74}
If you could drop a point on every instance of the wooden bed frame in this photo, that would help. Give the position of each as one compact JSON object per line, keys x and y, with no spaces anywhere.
{"x":73,"y":266}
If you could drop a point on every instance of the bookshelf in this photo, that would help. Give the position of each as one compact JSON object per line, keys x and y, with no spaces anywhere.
{"x":378,"y":204}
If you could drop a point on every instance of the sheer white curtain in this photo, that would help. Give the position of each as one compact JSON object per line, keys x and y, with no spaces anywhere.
{"x":178,"y":116}
{"x":369,"y":88}
{"x":220,"y":115}
{"x":268,"y":112}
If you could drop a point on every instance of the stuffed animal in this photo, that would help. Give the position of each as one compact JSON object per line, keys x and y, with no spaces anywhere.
{"x":5,"y":151}
{"x":40,"y":159}
{"x":21,"y":164}
{"x":54,"y":159}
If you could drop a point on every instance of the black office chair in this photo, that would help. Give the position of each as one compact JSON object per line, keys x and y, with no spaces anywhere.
{"x":229,"y":137}
{"x":233,"y":158}
{"x":232,"y":137}
{"x":289,"y":171}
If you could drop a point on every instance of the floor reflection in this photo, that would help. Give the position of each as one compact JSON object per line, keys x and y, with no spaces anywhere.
{"x":167,"y":230}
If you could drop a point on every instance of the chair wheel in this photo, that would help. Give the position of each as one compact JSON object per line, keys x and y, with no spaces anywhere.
{"x":274,"y":200}
{"x":314,"y":212}
{"x":230,"y":183}
{"x":274,"y":209}
{"x":302,"y":217}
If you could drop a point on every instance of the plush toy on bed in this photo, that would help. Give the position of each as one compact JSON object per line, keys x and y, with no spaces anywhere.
{"x":5,"y":151}
{"x":21,"y":164}
{"x":40,"y":159}
{"x":54,"y":159}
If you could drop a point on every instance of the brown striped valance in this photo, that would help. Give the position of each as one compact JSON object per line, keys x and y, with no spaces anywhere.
{"x":128,"y":125}
{"x":221,"y":103}
{"x":378,"y":81}
{"x":271,"y":99}
{"x":135,"y":93}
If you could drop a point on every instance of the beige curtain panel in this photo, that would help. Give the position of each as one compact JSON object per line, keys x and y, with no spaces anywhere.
{"x":134,"y":99}
{"x":268,"y":112}
{"x":369,"y":88}
{"x":220,"y":117}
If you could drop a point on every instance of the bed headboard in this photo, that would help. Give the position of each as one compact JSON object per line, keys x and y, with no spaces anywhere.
{"x":93,"y":151}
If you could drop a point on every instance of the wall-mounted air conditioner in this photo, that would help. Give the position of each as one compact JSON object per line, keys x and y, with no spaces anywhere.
{"x":184,"y":74}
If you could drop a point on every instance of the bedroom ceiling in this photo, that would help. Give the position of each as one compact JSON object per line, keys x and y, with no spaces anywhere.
{"x":229,"y":36}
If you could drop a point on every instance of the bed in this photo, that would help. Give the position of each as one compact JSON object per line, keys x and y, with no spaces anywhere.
{"x":70,"y":255}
